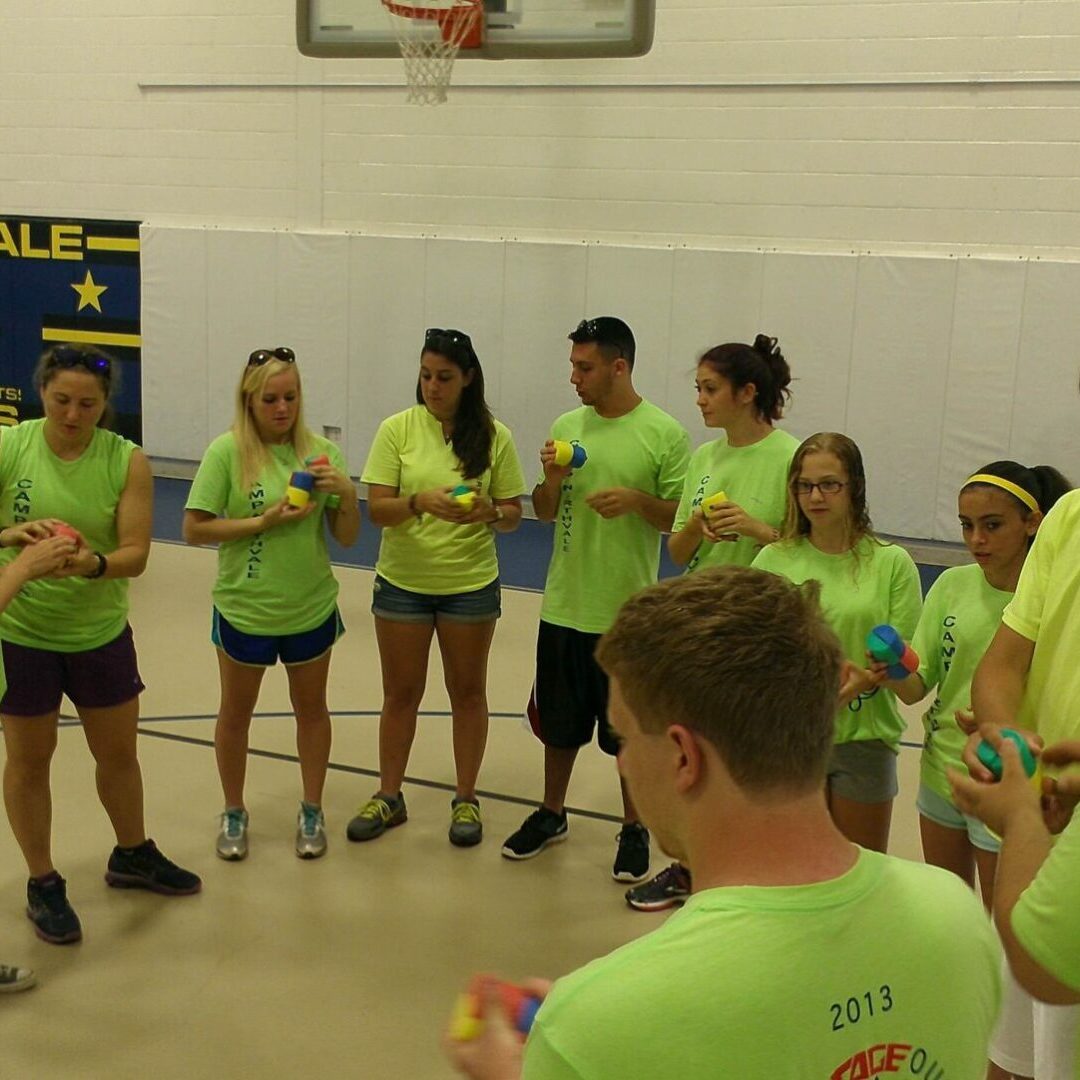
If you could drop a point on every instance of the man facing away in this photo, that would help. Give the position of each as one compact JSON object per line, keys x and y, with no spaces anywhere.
{"x":798,"y":955}
{"x":609,"y":514}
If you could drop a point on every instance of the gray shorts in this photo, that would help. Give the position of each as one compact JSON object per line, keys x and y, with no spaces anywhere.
{"x":863,"y":771}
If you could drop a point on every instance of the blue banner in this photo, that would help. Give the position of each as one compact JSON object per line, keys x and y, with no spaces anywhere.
{"x":65,"y":279}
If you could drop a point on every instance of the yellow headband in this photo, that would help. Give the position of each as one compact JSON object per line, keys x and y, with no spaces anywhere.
{"x":1025,"y":497}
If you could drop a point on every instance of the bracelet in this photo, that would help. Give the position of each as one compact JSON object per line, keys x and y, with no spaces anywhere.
{"x":102,"y":566}
{"x":413,"y":508}
{"x":499,"y":515}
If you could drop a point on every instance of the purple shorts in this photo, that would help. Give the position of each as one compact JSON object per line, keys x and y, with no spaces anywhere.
{"x":95,"y":679}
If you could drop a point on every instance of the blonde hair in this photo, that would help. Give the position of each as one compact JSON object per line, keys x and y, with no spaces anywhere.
{"x":253,"y":453}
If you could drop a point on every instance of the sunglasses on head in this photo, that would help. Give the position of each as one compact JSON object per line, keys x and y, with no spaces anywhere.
{"x":455,"y":337}
{"x":72,"y":356}
{"x":261,"y":356}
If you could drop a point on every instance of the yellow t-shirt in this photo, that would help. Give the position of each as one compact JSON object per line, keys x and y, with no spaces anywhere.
{"x":427,"y":555}
{"x":1046,"y":610}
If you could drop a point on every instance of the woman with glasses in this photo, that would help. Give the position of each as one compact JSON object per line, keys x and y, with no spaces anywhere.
{"x":741,"y":389}
{"x":68,"y":475}
{"x":275,"y":595}
{"x":865,"y":582}
{"x":443,"y":477}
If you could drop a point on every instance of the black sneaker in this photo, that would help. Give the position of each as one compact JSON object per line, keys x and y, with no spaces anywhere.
{"x":540,"y":828}
{"x":48,"y":909}
{"x":144,"y":867}
{"x":632,"y":858}
{"x":668,"y":888}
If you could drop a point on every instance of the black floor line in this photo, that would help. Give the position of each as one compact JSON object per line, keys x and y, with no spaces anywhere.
{"x":356,"y":770}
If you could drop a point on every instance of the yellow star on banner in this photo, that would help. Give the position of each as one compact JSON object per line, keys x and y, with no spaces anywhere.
{"x":89,"y":293}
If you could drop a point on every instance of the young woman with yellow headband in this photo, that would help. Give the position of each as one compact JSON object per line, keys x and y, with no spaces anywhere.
{"x":1000,"y":507}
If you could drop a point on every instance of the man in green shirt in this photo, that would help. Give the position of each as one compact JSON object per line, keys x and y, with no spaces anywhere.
{"x":799,"y":954}
{"x":609,"y":513}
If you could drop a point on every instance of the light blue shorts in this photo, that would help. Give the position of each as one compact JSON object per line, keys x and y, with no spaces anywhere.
{"x":942,"y":812}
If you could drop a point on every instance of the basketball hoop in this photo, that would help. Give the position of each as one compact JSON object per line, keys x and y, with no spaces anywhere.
{"x":429,"y":55}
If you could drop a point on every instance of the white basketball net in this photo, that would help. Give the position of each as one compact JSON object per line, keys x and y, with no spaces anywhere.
{"x":430,"y":43}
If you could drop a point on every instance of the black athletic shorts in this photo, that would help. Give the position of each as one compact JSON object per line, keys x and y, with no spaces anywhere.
{"x":570,"y":695}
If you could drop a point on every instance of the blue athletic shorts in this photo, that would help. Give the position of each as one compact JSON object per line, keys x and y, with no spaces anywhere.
{"x":932,"y":806}
{"x":259,"y":650}
{"x":395,"y":604}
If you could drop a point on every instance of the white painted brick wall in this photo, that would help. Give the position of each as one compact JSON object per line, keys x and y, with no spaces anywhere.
{"x":744,"y":126}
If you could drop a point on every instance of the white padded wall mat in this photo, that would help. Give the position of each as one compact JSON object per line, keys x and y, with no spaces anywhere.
{"x":716,"y":297}
{"x":463,"y":289}
{"x":809,"y":304}
{"x":933,"y":365}
{"x":241,"y":313}
{"x":1046,"y":407}
{"x":544,"y":301}
{"x":982,"y":370}
{"x":900,"y":349}
{"x":174,"y":352}
{"x":386,"y":327}
{"x":634,"y":284}
{"x":312,"y":312}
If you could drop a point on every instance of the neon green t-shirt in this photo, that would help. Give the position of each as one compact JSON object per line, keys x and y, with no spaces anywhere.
{"x":891,"y":968}
{"x":278,"y":581}
{"x":960,"y":616}
{"x":1046,"y":610}
{"x":754,"y":477}
{"x":427,"y":555}
{"x":77,"y":613}
{"x":881,"y":585}
{"x":1046,"y":918}
{"x":598,"y":563}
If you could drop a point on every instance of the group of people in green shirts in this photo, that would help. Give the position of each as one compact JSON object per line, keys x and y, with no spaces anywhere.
{"x":442,"y":477}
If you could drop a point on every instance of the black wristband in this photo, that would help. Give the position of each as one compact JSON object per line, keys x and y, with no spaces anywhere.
{"x":102,"y":566}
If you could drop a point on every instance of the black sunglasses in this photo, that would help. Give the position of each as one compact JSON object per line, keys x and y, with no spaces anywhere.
{"x":72,"y":356}
{"x":456,"y":337}
{"x":261,"y":356}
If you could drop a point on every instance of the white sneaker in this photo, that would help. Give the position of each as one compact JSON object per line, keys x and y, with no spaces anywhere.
{"x":232,"y":843}
{"x":310,"y":832}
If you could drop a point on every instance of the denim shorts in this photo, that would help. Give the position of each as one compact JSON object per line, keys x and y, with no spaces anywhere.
{"x":95,"y":679}
{"x":863,"y":771}
{"x":400,"y":605}
{"x":942,"y":812}
{"x":262,"y":650}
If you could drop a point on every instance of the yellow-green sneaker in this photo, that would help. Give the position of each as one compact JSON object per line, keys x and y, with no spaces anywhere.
{"x":379,"y":813}
{"x":466,"y":829}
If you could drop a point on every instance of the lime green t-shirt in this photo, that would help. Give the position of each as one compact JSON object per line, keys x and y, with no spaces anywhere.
{"x":754,"y":477}
{"x":960,"y":616}
{"x":278,"y":581}
{"x":598,"y":563}
{"x":427,"y":555}
{"x":1046,"y":918}
{"x":1046,"y":610}
{"x":891,"y":968}
{"x":66,"y":614}
{"x":880,"y":585}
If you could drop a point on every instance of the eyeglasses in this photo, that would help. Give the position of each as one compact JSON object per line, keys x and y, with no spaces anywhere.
{"x":261,"y":356}
{"x":826,"y":487}
{"x":72,"y":356}
{"x":456,"y":337}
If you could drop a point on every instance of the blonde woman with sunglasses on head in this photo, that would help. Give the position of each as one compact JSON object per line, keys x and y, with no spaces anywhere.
{"x":276,"y":595}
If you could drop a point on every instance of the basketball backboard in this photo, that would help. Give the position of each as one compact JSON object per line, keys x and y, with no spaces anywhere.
{"x":525,"y":29}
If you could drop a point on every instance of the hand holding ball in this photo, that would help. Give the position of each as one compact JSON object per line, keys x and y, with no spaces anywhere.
{"x":989,"y":757}
{"x":63,"y":529}
{"x":332,"y":501}
{"x":464,"y":496}
{"x":885,"y":645}
{"x":569,"y":454}
{"x":520,"y":1007}
{"x":298,"y":493}
{"x":711,"y":503}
